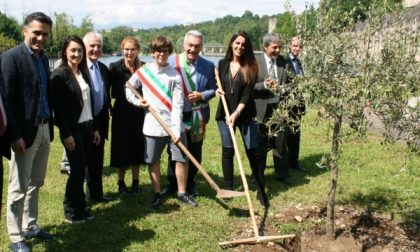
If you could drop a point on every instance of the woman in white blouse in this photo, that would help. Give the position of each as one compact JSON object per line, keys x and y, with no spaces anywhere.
{"x":74,"y":118}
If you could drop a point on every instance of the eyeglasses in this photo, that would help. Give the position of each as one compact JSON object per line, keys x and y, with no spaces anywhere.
{"x":162,"y":50}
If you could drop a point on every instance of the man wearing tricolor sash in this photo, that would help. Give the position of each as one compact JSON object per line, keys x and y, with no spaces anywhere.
{"x":198,"y":85}
{"x":162,"y":91}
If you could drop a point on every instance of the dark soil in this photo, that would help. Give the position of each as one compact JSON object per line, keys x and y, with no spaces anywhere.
{"x":356,"y":230}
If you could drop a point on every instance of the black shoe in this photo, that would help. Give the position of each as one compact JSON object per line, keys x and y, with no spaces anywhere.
{"x":285,"y":181}
{"x":157,"y":200}
{"x":168,"y":191}
{"x":262,"y":197}
{"x":122,"y":188}
{"x":87,"y":214}
{"x":135,"y":189}
{"x":301,"y":169}
{"x":104,"y":199}
{"x":74,"y":220}
{"x":38,"y":234}
{"x":297,"y":167}
{"x":184,"y":197}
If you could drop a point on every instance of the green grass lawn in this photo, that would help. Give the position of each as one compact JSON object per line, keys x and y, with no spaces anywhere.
{"x":372,"y":175}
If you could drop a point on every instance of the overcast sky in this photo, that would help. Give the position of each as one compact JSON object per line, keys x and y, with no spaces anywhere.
{"x":148,"y":13}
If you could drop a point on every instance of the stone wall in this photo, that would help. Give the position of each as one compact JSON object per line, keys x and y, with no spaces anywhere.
{"x":408,"y":19}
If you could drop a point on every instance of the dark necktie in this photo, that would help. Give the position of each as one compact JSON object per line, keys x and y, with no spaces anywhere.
{"x":298,"y":67}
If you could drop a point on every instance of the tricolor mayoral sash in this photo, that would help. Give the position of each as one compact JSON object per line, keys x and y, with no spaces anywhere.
{"x":195,"y":124}
{"x":155,"y":86}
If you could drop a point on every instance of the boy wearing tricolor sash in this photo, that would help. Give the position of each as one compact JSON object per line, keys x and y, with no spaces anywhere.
{"x":162,"y":91}
{"x":198,"y":85}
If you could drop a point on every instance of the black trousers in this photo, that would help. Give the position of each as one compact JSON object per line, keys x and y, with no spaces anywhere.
{"x":1,"y":182}
{"x":74,"y":198}
{"x":94,"y":188}
{"x":196,"y":151}
{"x":278,"y":145}
{"x":293,"y":139}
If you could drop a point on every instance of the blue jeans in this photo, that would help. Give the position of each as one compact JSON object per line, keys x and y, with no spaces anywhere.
{"x":249,"y":133}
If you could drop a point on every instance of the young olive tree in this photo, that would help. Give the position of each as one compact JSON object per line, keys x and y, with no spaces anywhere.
{"x":352,"y":73}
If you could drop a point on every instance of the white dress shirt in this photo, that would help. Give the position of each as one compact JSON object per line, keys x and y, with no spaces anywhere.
{"x":86,"y":114}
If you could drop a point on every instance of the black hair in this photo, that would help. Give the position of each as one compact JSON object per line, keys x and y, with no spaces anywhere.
{"x":38,"y":16}
{"x":64,"y":62}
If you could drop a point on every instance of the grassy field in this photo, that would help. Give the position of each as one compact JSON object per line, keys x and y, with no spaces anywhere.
{"x":372,"y":175}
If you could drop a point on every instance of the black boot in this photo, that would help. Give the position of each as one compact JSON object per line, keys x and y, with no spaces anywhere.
{"x":227,"y":166}
{"x":135,"y":187}
{"x":122,"y":188}
{"x":258,"y":174}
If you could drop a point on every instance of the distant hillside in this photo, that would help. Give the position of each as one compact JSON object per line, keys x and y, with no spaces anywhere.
{"x":217,"y":32}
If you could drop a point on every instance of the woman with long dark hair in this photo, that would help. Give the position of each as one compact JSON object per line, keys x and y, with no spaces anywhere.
{"x":238,"y":74}
{"x":73,"y":102}
{"x":127,"y":139}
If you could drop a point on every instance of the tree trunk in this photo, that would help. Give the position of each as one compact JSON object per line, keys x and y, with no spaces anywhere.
{"x":334,"y":176}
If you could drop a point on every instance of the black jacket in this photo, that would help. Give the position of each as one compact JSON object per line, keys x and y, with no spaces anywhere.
{"x":242,"y":93}
{"x":68,"y":101}
{"x":21,"y":86}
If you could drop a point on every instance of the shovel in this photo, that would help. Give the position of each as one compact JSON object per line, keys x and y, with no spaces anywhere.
{"x":221,"y":193}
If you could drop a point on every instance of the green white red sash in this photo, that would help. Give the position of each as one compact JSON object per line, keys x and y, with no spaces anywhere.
{"x":151,"y":82}
{"x":196,"y":124}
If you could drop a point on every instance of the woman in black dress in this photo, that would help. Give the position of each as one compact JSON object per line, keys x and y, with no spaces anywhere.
{"x":127,"y":140}
{"x":238,"y":74}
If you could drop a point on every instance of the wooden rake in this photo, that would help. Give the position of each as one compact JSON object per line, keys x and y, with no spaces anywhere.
{"x":220,"y":193}
{"x":257,"y":238}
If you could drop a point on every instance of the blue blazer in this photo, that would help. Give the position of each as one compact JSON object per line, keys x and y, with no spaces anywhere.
{"x":206,"y":82}
{"x":21,"y":86}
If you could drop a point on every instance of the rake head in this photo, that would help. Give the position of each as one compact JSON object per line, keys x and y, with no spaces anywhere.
{"x":228,"y":193}
{"x":253,"y":240}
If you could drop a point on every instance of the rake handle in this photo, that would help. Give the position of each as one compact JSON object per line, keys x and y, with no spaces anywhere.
{"x":179,"y":143}
{"x":238,"y":157}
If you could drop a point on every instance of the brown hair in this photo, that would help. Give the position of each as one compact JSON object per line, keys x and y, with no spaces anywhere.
{"x":161,"y":42}
{"x":136,"y":43}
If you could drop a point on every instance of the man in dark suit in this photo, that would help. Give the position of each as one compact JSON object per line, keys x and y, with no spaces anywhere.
{"x":267,"y":94}
{"x":27,"y":90}
{"x":4,"y":142}
{"x":100,"y":76}
{"x":199,"y":86}
{"x":293,"y":136}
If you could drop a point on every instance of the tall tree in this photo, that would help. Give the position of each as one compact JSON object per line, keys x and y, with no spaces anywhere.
{"x":62,"y":27}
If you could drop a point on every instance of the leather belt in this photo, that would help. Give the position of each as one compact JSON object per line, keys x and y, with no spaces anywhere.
{"x":86,"y":123}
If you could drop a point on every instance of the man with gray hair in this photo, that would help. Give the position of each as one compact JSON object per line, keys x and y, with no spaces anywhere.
{"x":295,"y":112}
{"x":100,"y":76}
{"x":199,"y":87}
{"x":272,"y":75}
